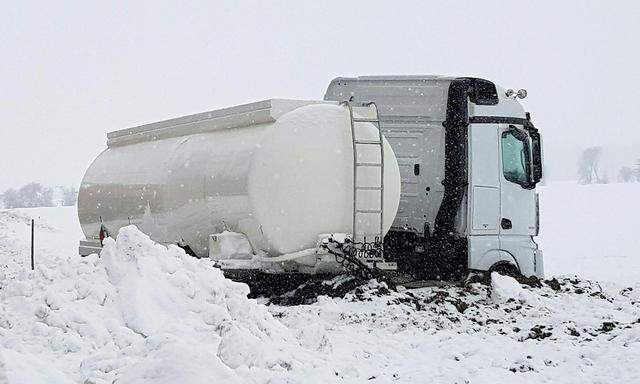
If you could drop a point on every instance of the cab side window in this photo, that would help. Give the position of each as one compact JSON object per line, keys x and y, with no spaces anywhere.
{"x":516,"y":159}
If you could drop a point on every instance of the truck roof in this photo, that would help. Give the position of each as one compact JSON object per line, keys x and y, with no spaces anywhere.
{"x":397,"y":78}
{"x":421,"y":97}
{"x":415,"y":97}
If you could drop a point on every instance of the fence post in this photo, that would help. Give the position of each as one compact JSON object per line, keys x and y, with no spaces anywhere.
{"x":32,"y":232}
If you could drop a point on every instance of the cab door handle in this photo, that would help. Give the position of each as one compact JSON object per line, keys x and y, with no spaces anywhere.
{"x":506,"y":224}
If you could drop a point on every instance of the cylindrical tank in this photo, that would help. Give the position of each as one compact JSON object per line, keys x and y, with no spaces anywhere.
{"x":282,"y":183}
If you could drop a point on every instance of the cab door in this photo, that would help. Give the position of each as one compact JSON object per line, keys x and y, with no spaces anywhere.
{"x":484,"y":180}
{"x":484,"y":196}
{"x":517,"y":197}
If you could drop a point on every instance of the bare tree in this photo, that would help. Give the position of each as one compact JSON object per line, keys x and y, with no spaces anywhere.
{"x":10,"y":198}
{"x":636,"y":171}
{"x":29,"y":195}
{"x":626,"y":175}
{"x":588,"y":165}
{"x":35,"y":195}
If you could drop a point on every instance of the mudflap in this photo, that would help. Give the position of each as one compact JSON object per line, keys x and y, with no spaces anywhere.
{"x":427,"y":258}
{"x":406,"y":250}
{"x":450,"y":258}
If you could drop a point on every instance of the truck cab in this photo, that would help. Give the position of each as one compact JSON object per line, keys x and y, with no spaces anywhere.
{"x":470,"y":159}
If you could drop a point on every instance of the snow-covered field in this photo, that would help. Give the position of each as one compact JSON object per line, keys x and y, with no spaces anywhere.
{"x":592,"y":231}
{"x":142,"y":313}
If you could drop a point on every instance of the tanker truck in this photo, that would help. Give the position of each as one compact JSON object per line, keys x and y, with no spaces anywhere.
{"x":429,"y":176}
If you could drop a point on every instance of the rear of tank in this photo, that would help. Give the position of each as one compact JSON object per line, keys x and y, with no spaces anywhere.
{"x":169,"y":188}
{"x":281,"y":182}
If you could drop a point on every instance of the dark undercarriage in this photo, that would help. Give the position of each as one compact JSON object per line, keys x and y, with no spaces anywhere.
{"x":419,"y":260}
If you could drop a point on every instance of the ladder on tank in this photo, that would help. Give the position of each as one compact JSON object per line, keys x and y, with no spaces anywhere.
{"x":368,"y":199}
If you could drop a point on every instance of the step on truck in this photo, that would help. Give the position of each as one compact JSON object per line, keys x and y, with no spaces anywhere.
{"x":431,"y":176}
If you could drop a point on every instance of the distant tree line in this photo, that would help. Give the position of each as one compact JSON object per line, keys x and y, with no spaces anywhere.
{"x":589,"y":169}
{"x":36,"y":195}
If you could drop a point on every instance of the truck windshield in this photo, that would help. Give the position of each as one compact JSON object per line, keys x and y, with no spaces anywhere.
{"x":516,"y":157}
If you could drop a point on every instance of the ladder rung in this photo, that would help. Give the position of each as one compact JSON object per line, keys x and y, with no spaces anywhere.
{"x":366,"y":117}
{"x":376,"y":142}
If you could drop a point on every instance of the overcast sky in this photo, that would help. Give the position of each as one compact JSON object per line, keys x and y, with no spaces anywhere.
{"x":72,"y":71}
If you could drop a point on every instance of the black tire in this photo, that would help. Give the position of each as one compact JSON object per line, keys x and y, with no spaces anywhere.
{"x":506,"y":269}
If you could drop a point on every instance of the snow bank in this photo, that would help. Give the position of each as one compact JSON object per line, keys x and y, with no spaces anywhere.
{"x":141,"y":313}
{"x":65,"y":322}
{"x":506,"y":288}
{"x":230,"y":245}
{"x":574,"y":333}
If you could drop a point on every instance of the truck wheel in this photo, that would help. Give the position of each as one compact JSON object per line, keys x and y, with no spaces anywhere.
{"x":506,"y":269}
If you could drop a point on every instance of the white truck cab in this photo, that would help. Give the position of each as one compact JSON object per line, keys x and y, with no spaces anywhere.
{"x":470,"y":160}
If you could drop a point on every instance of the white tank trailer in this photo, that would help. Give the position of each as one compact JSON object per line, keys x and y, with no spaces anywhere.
{"x":281,"y":172}
{"x":443,"y":169}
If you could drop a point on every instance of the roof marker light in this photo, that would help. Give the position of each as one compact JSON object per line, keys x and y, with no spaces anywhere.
{"x":521,"y":94}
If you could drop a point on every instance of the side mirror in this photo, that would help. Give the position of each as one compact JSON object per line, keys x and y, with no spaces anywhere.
{"x":536,"y":155}
{"x":536,"y":150}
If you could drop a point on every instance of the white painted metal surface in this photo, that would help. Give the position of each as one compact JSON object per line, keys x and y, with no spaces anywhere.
{"x":279,"y":171}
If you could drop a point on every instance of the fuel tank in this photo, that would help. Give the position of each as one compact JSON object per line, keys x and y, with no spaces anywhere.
{"x":279,"y":171}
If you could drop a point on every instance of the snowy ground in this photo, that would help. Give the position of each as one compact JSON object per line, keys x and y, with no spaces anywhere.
{"x":592,"y":231}
{"x":145,"y":314}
